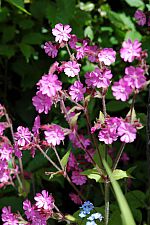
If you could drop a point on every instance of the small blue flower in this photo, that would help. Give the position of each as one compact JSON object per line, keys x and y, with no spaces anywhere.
{"x":87,"y":207}
{"x":91,"y":223}
{"x":82,"y":214}
{"x":95,"y":216}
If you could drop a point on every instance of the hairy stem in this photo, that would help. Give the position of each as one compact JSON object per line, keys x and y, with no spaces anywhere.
{"x":92,"y":135}
{"x":19,"y":160}
{"x":118,"y":156}
{"x":48,"y":158}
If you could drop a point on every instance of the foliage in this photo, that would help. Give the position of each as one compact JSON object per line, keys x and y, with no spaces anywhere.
{"x":25,"y":27}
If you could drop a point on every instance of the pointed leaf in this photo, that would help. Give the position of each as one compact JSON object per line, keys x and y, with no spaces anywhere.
{"x":64,"y":160}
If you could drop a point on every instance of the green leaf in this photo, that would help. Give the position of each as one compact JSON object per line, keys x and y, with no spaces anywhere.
{"x":6,"y":201}
{"x":92,"y":174}
{"x":51,"y":13}
{"x":74,"y":119}
{"x":101,"y":117}
{"x":65,"y":10}
{"x":120,"y":20}
{"x":26,"y":50}
{"x":7,"y":50}
{"x":38,"y":162}
{"x":70,"y":218}
{"x":33,"y":38}
{"x":127,"y":217}
{"x":88,"y":32}
{"x":136,"y":3}
{"x":88,"y":6}
{"x":8,"y":33}
{"x":114,"y":106}
{"x":119,"y":174}
{"x":64,"y":160}
{"x":19,"y":4}
{"x":133,"y":35}
{"x":136,"y":199}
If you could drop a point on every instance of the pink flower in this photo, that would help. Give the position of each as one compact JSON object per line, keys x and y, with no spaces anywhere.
{"x":37,"y":125}
{"x":71,"y":68}
{"x":91,"y":52}
{"x":4,"y":171}
{"x":148,"y":23}
{"x":3,"y":126}
{"x":73,"y":41}
{"x":130,"y":51}
{"x":99,"y":78}
{"x":61,"y":33}
{"x":77,"y":144}
{"x":44,"y":200}
{"x":54,"y":135}
{"x":91,"y":153}
{"x":81,"y":50}
{"x":75,"y":198}
{"x":77,"y":91}
{"x":49,"y":85}
{"x":107,"y":136}
{"x":108,"y":133}
{"x":107,"y":56}
{"x":8,"y":217}
{"x":6,"y":152}
{"x":42,"y":102}
{"x":127,"y":132}
{"x":72,"y":162}
{"x":140,"y":17}
{"x":125,"y":158}
{"x":50,"y":49}
{"x":135,"y":77}
{"x":77,"y":178}
{"x":23,"y":136}
{"x":29,"y":211}
{"x":121,"y":90}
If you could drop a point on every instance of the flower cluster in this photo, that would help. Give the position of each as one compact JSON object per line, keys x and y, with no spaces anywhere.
{"x":86,"y":209}
{"x":141,"y":19}
{"x":113,"y":128}
{"x":38,"y":213}
{"x":134,"y":78}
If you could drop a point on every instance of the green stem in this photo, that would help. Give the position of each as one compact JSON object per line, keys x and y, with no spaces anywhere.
{"x":107,"y":184}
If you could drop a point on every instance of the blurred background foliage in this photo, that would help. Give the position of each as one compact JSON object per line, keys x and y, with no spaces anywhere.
{"x":25,"y":25}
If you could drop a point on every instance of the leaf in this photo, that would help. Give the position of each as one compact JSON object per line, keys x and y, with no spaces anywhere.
{"x":88,"y":32}
{"x":33,"y":38}
{"x":88,"y":6}
{"x":133,"y":35}
{"x":101,"y":117}
{"x":51,"y":13}
{"x":64,"y":160}
{"x":120,"y":20}
{"x":74,"y":119}
{"x":136,"y":3}
{"x":133,"y":116}
{"x":70,"y":218}
{"x":38,"y":162}
{"x":6,"y":201}
{"x":26,"y":50}
{"x":114,"y":106}
{"x":92,"y":174}
{"x":119,"y":174}
{"x":8,"y":34}
{"x":19,"y":4}
{"x":65,"y":10}
{"x":127,"y":217}
{"x":7,"y":50}
{"x":136,"y":199}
